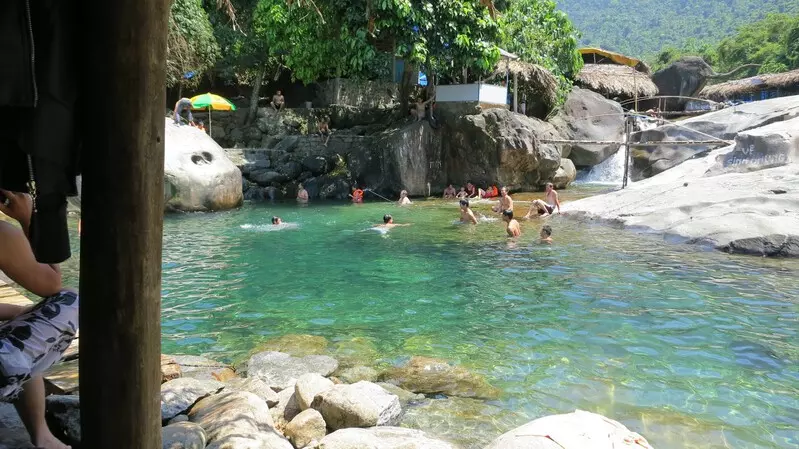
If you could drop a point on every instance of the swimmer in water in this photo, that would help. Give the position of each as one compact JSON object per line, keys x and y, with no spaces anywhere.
{"x":276,"y":220}
{"x":511,"y":225}
{"x":388,"y":222}
{"x":546,"y":234}
{"x":467,"y":216}
{"x":505,"y":201}
{"x":403,"y":199}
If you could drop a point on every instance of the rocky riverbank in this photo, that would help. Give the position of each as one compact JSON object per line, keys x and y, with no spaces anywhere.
{"x":743,"y":198}
{"x":306,"y":398}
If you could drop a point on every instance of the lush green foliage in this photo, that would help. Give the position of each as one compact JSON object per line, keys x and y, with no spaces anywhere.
{"x":773,"y":43}
{"x":191,"y":45}
{"x":646,"y":27}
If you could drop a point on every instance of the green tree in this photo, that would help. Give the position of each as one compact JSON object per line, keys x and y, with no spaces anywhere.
{"x":766,"y":42}
{"x":191,"y":46}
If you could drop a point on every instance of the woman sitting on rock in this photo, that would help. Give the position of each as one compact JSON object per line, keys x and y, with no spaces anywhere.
{"x":32,"y":338}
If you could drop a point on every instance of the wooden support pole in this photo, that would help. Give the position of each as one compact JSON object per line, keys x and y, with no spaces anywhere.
{"x":124,"y":60}
{"x":628,"y":127}
{"x":515,"y":92}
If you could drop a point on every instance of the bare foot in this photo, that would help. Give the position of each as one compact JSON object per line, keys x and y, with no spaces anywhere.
{"x":48,"y":441}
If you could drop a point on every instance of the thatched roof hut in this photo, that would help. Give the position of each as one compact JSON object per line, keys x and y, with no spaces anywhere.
{"x":537,"y":85}
{"x":601,"y":56}
{"x":614,"y":81}
{"x":786,"y":81}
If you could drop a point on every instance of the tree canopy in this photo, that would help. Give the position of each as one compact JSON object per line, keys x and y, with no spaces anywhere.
{"x":192,"y":48}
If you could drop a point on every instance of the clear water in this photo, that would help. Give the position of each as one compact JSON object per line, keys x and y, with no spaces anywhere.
{"x":690,"y":348}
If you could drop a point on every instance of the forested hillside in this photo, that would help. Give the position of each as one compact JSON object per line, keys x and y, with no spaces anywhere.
{"x":644,"y":27}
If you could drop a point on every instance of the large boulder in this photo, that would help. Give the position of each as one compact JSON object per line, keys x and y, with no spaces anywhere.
{"x":63,"y":417}
{"x":587,"y":115}
{"x":725,"y":124}
{"x":255,"y":386}
{"x":286,"y":409}
{"x":771,"y":146}
{"x":237,"y":419}
{"x":198,"y":176}
{"x":498,"y":146}
{"x":183,"y":435}
{"x":382,"y":438}
{"x":308,"y":386}
{"x":565,"y":175}
{"x":685,"y":77}
{"x":577,"y":430}
{"x":280,"y":370}
{"x":432,"y":376}
{"x":361,"y":404}
{"x":13,"y":434}
{"x":468,"y":422}
{"x":177,"y":396}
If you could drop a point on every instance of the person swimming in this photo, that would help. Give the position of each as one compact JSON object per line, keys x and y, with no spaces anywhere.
{"x":403,"y":199}
{"x":546,"y":234}
{"x":277,"y":220}
{"x":388,"y":223}
{"x":467,"y":216}
{"x":511,"y":225}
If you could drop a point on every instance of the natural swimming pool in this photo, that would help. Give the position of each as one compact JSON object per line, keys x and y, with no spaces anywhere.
{"x":688,"y":347}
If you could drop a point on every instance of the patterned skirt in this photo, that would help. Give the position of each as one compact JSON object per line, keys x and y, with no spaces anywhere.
{"x":32,"y":342}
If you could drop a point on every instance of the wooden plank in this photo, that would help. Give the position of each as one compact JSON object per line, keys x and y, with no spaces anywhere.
{"x":123,"y":57}
{"x":10,"y":296}
{"x":62,"y":378}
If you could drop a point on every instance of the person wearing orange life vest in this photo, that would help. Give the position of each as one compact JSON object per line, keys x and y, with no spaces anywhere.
{"x":357,"y":195}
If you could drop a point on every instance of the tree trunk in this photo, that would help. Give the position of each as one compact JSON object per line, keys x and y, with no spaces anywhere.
{"x":122,"y":221}
{"x":406,"y":87}
{"x":255,"y":96}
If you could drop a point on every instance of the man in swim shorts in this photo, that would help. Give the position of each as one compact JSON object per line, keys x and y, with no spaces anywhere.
{"x":467,"y":216}
{"x":462,"y":194}
{"x":449,"y":192}
{"x":546,"y":234}
{"x":505,"y":201}
{"x":511,"y":225}
{"x":388,"y":222}
{"x":543,"y":209}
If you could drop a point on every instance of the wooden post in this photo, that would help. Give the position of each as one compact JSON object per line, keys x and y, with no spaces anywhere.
{"x":627,"y":131}
{"x":124,"y":60}
{"x":515,"y":92}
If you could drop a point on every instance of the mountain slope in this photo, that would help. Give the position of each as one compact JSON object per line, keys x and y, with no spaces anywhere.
{"x":644,"y":27}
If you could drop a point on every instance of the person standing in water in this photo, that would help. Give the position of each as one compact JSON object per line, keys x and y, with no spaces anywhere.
{"x":546,"y":234}
{"x":302,"y":195}
{"x":511,"y":225}
{"x":505,"y":201}
{"x":357,"y":195}
{"x":403,"y":199}
{"x":467,"y":216}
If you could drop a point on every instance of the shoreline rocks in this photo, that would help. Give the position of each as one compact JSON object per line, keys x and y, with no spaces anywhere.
{"x":280,"y":370}
{"x":362,"y":404}
{"x":433,"y":376}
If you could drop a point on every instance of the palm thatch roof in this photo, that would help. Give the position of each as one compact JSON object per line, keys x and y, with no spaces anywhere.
{"x":731,"y":89}
{"x":600,"y":56}
{"x":613,"y":80}
{"x":534,"y":80}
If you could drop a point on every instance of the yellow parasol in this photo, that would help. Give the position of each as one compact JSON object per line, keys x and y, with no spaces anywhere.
{"x":210,"y":102}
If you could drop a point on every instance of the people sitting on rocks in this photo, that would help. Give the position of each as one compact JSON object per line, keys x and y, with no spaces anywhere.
{"x":545,"y":208}
{"x":462,"y":194}
{"x":546,"y":234}
{"x":471,"y":190}
{"x":201,"y":126}
{"x":183,"y":105}
{"x":490,"y":192}
{"x":277,"y":220}
{"x":32,"y":338}
{"x":403,"y":199}
{"x":419,"y":110}
{"x":449,"y":192}
{"x":302,"y":194}
{"x":324,"y":130}
{"x":278,"y":102}
{"x":357,"y":195}
{"x":505,"y":201}
{"x":467,"y":216}
{"x":511,"y":224}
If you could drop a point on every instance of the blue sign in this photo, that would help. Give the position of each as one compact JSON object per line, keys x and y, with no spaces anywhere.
{"x":422,"y":79}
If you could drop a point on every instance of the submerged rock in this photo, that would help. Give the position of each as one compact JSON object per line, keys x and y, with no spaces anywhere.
{"x":382,"y":438}
{"x":571,"y":430}
{"x":430,"y":376}
{"x":296,"y":345}
{"x":177,"y":396}
{"x":406,"y":397}
{"x":587,"y":115}
{"x":238,"y":420}
{"x":355,"y":351}
{"x":198,"y":176}
{"x":183,"y":435}
{"x":306,"y":427}
{"x":362,"y":404}
{"x":280,"y":370}
{"x":469,"y":422}
{"x":356,"y":374}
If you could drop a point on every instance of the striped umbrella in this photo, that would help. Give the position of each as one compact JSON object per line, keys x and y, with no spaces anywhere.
{"x":211,"y":102}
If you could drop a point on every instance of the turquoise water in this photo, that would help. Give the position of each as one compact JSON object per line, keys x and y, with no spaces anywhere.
{"x":690,"y":348}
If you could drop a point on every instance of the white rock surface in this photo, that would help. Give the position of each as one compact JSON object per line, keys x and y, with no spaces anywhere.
{"x":305,"y":428}
{"x":178,"y":395}
{"x":577,"y":430}
{"x":198,"y":176}
{"x":286,"y":409}
{"x":361,"y":404}
{"x":308,"y":386}
{"x":183,"y":435}
{"x":752,"y":213}
{"x":255,"y":386}
{"x":280,"y":370}
{"x":382,"y":438}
